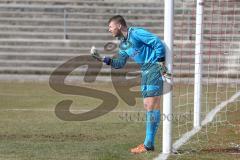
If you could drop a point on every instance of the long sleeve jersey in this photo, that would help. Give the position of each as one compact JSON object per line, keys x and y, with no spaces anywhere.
{"x":140,"y":45}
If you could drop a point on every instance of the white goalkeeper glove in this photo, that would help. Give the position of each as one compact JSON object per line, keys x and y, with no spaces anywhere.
{"x":166,"y":75}
{"x":95,"y":54}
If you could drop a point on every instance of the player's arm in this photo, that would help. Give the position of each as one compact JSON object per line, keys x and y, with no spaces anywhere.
{"x":151,"y":40}
{"x":120,"y":61}
{"x":116,"y":63}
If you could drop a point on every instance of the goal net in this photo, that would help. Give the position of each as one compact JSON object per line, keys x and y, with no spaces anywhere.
{"x":220,"y":111}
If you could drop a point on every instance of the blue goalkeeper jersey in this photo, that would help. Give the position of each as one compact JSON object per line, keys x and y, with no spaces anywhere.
{"x":141,"y":45}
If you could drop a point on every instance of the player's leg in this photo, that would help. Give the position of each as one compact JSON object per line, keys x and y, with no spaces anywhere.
{"x":152,"y":106}
{"x":151,"y":90}
{"x":152,"y":103}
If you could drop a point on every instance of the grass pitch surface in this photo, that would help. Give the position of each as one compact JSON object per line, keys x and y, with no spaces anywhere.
{"x":31,"y":130}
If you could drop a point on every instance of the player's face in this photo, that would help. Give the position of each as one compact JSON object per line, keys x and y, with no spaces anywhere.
{"x":114,"y":28}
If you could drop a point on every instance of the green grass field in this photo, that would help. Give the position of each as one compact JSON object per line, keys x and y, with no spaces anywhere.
{"x":31,"y":130}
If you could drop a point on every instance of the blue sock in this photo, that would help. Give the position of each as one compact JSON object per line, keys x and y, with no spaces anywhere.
{"x":152,"y":122}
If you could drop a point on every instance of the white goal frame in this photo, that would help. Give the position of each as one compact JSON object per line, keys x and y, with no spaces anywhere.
{"x":198,"y":123}
{"x":167,"y":98}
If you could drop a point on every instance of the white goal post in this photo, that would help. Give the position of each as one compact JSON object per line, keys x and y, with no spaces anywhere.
{"x":167,"y":98}
{"x":198,"y":64}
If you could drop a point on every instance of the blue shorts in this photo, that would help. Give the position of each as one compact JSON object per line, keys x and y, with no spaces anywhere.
{"x":151,"y":80}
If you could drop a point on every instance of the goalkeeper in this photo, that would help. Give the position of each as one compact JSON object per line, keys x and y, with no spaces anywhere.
{"x":148,"y":51}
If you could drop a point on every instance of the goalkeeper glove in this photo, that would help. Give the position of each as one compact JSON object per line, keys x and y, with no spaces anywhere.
{"x":97,"y":56}
{"x":166,"y":75}
{"x":107,"y":60}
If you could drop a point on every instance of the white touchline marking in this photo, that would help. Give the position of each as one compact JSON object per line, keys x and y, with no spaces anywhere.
{"x":218,"y":108}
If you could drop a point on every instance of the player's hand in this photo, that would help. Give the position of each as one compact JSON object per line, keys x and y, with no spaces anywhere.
{"x":166,"y":75}
{"x":95,"y":54}
{"x":107,"y":60}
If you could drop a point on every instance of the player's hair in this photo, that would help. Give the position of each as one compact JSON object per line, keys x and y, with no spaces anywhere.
{"x":119,"y":19}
